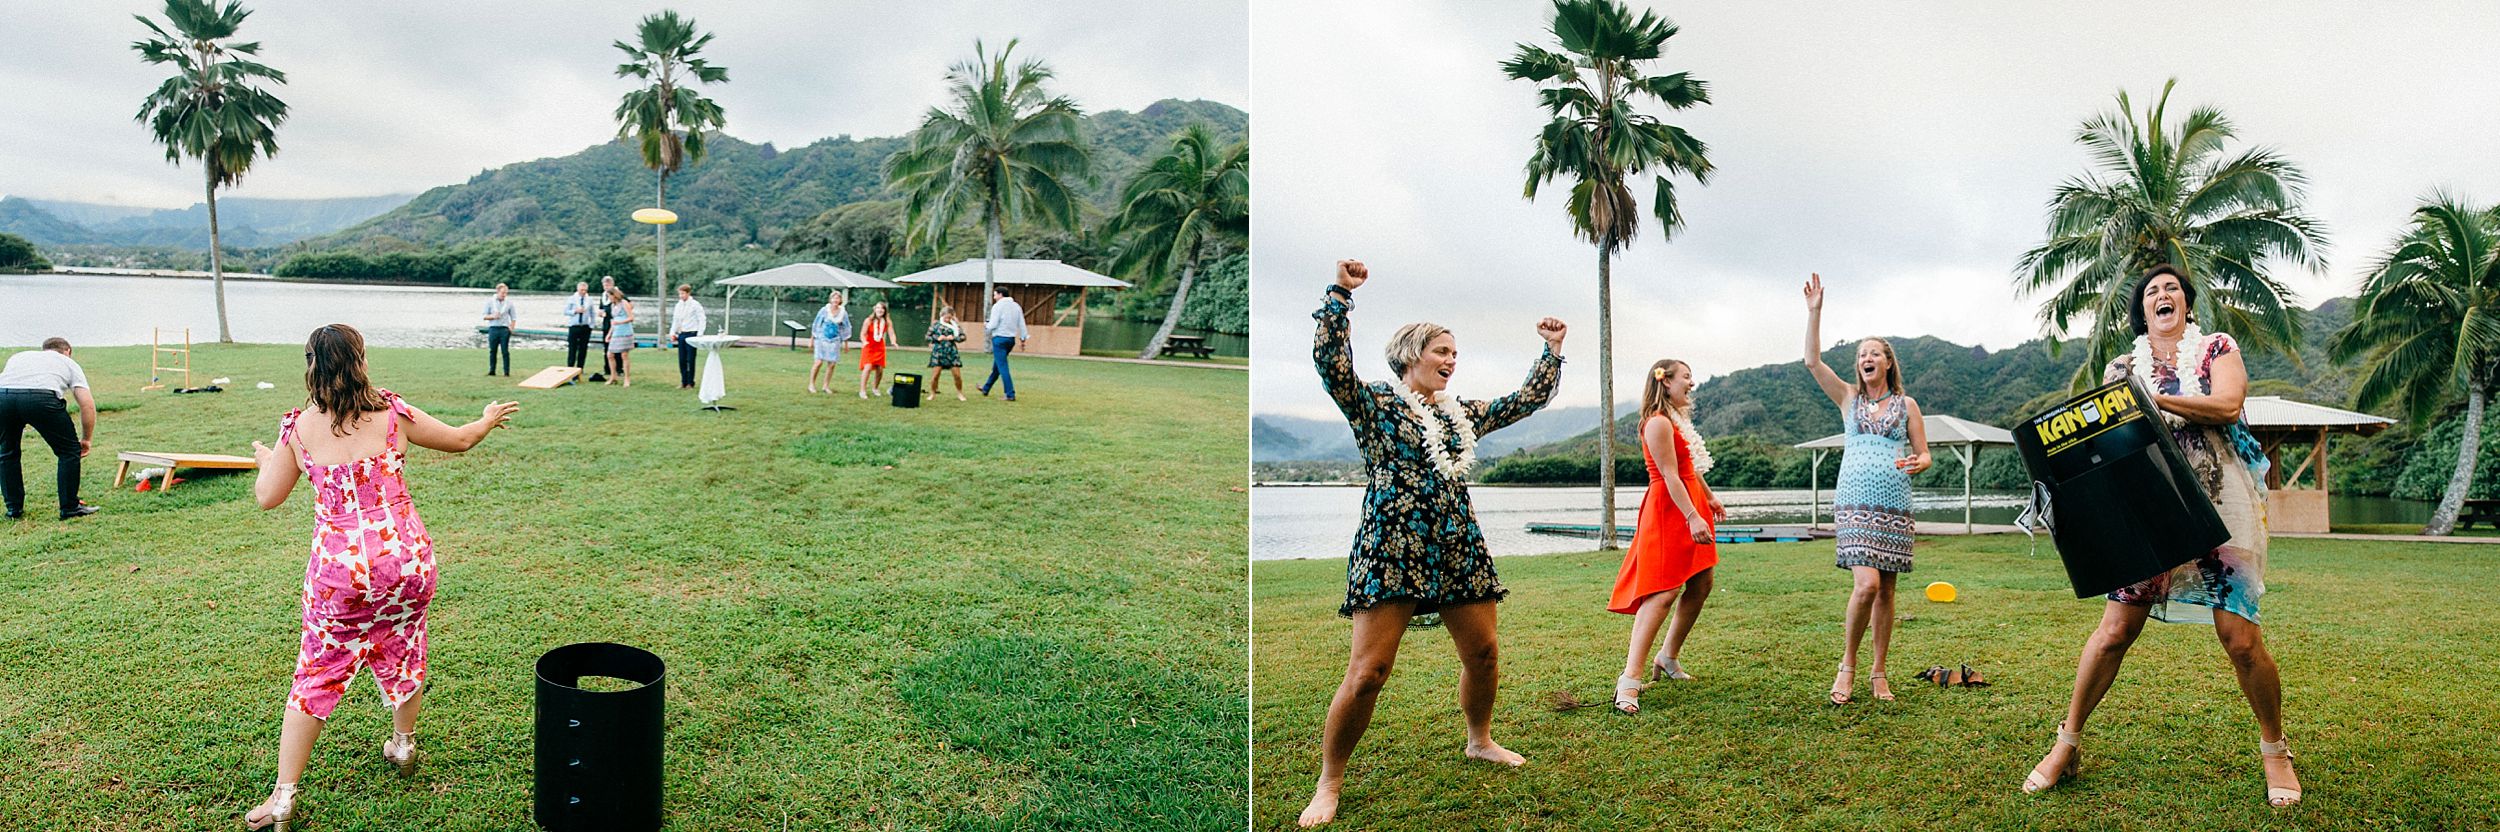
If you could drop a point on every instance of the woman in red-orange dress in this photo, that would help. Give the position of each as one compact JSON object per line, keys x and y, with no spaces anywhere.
{"x":1675,"y":542}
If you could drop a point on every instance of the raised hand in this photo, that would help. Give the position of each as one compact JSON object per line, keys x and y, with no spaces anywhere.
{"x":1552,"y":330}
{"x":1351,"y":274}
{"x":497,"y":414}
{"x":262,"y":454}
{"x":1814,"y":293}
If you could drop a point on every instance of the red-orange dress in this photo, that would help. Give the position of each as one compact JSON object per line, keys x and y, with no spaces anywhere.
{"x":1663,"y":555}
{"x":872,"y":342}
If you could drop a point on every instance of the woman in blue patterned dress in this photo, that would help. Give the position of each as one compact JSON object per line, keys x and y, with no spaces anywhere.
{"x":1871,"y":507}
{"x":2199,"y":384}
{"x":1419,"y":549}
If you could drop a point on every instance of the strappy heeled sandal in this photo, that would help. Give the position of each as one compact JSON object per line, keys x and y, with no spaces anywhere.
{"x":1840,"y":689}
{"x":2035,"y":782}
{"x":2276,"y":796}
{"x":1934,"y":675}
{"x":1971,"y":678}
{"x":405,"y":756}
{"x":1883,"y":694}
{"x":1628,"y":695}
{"x":279,"y":810}
{"x":1664,"y":667}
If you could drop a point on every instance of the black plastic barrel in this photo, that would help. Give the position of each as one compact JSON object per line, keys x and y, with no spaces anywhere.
{"x":599,"y":750}
{"x":2126,"y":504}
{"x":906,"y":389}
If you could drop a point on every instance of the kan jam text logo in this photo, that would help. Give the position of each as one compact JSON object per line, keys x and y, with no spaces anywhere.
{"x":2107,"y":408}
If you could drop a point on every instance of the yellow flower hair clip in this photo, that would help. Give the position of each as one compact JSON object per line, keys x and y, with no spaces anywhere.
{"x":1659,"y":373}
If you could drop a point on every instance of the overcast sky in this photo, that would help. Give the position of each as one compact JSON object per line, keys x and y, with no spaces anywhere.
{"x":1904,"y":150}
{"x":400,"y":97}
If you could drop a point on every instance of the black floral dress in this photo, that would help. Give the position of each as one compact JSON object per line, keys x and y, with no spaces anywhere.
{"x":943,"y":352}
{"x":1419,"y":540}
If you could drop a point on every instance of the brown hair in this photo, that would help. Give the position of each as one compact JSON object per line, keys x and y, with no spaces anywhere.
{"x":1654,"y":391}
{"x":1892,"y":368}
{"x":334,"y":376}
{"x":56,"y":344}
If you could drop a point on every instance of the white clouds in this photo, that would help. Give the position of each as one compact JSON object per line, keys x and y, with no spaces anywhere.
{"x":1905,"y":151}
{"x":403,"y":97}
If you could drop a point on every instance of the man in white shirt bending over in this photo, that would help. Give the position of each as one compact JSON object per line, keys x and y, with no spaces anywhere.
{"x":499,"y":322}
{"x":1006,"y":327}
{"x":32,"y":387}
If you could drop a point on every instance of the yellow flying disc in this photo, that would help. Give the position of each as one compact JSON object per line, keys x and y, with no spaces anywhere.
{"x":1940,"y":592}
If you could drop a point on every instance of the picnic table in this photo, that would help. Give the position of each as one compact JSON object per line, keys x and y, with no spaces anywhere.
{"x":171,"y":461}
{"x":2479,"y":511}
{"x":1193,"y":344}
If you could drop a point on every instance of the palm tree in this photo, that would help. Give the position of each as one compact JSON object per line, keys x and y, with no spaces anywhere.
{"x":2172,"y":197}
{"x":1194,"y":196}
{"x":1598,"y":142}
{"x":2429,"y":321}
{"x":209,"y":110}
{"x":667,"y":117}
{"x":1003,"y":147}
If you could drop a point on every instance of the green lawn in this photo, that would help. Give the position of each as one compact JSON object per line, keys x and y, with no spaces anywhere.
{"x":2387,"y":654}
{"x":970,"y":616}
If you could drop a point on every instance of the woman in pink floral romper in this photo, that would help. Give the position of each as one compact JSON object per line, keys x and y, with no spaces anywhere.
{"x":372,"y":566}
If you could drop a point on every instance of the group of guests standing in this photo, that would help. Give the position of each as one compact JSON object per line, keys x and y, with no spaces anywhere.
{"x":614,"y":313}
{"x":1419,"y":549}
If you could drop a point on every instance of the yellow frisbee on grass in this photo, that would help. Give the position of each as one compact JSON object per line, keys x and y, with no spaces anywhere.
{"x":1941,"y":592}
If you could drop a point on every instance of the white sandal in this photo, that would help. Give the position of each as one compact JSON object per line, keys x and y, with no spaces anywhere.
{"x":405,"y":755}
{"x":1628,"y":694}
{"x":2035,"y":782}
{"x":1840,"y":690}
{"x":2276,"y":796}
{"x":1664,"y":667}
{"x":280,"y":807}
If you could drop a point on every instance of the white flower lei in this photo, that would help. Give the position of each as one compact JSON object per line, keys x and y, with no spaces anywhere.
{"x":1682,"y":419}
{"x":1436,"y":441}
{"x":2188,"y":362}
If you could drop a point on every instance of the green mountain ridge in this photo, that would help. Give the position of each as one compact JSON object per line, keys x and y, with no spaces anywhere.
{"x":247,"y":222}
{"x":742,"y":194}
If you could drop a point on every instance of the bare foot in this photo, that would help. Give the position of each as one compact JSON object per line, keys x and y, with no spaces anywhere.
{"x":1323,"y":808}
{"x":1493,"y":752}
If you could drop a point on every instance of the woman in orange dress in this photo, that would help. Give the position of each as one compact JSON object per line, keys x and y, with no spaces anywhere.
{"x":1675,"y":544}
{"x":873,"y":337}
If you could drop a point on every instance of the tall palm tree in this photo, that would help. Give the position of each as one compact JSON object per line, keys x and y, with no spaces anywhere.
{"x":210,"y":109}
{"x":1597,"y":141}
{"x":1002,"y":147}
{"x":668,"y":117}
{"x":2172,"y":197}
{"x":1193,"y":197}
{"x":2429,"y":322}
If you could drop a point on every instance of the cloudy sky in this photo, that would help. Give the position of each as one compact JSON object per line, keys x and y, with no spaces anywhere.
{"x":1903,"y":150}
{"x":401,"y":97}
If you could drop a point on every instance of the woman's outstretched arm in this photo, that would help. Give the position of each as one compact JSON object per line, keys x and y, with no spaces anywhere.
{"x":1823,"y":375}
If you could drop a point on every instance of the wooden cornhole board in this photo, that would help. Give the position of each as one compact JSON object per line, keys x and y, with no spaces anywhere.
{"x":173,"y":461}
{"x":552,"y":378}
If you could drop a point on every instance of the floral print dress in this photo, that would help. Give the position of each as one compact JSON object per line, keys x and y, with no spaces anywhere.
{"x":1871,"y":504}
{"x":2230,"y":468}
{"x":943,"y":352}
{"x":1418,"y":541}
{"x":369,"y":579}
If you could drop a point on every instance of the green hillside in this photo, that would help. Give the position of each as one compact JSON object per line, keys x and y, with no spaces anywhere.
{"x":741,"y":194}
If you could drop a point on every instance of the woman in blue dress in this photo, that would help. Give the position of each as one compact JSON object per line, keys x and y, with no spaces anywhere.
{"x":1871,"y":506}
{"x":832,"y":327}
{"x":1418,"y":549}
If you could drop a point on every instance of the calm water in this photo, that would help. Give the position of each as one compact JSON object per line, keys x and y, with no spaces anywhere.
{"x":1319,"y":521}
{"x":106,"y":311}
